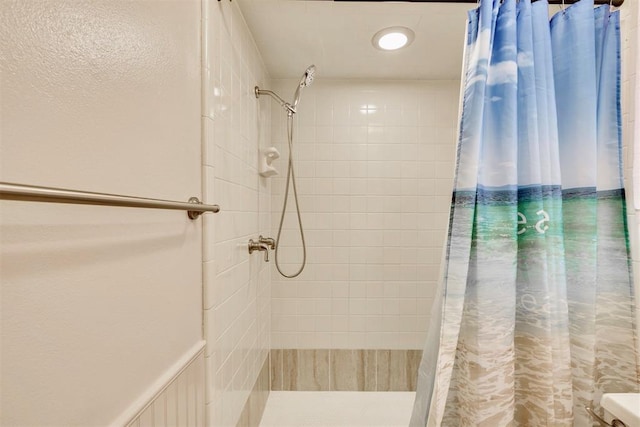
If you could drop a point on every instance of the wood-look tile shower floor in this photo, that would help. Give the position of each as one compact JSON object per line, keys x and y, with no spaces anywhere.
{"x":338,"y":409}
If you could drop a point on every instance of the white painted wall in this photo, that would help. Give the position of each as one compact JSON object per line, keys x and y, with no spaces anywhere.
{"x":97,"y":302}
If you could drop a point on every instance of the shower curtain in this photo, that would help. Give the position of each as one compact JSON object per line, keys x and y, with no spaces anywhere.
{"x":535,"y":314}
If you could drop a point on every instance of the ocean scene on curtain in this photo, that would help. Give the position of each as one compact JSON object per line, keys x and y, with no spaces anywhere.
{"x":535,"y":315}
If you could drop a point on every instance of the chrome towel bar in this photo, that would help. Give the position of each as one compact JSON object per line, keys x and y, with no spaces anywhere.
{"x":32,"y":193}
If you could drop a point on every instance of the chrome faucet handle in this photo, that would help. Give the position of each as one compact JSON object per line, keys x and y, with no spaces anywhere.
{"x":269,"y":241}
{"x":259,"y":246}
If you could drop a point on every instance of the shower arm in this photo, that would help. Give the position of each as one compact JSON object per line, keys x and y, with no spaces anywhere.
{"x":290,"y":108}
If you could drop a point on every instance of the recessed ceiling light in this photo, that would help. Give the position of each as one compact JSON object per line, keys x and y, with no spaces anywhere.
{"x":393,"y":38}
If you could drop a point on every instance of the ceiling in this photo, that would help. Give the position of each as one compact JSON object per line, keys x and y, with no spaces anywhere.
{"x":336,"y":37}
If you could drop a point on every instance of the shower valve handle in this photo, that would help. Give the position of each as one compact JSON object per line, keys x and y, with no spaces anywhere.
{"x":269,"y":241}
{"x":258,"y":246}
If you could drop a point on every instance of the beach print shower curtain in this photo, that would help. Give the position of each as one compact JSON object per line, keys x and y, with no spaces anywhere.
{"x":535,"y":316}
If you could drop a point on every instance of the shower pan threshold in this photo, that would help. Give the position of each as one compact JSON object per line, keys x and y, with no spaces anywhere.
{"x":338,"y":409}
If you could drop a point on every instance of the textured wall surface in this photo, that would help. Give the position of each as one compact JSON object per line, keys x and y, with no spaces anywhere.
{"x":97,"y":302}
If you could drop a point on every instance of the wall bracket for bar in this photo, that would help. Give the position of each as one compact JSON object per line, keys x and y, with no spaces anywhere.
{"x":194,"y":214}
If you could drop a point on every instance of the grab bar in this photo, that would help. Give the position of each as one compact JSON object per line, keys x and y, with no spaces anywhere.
{"x":32,"y":193}
{"x":615,"y":423}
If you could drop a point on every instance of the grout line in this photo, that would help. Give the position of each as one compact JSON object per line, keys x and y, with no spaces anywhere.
{"x":329,"y":369}
{"x":375,"y":365}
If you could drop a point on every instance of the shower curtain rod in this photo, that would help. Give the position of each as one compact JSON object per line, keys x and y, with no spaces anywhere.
{"x":616,"y":3}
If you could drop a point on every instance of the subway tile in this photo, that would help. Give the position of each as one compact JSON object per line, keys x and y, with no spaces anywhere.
{"x":306,"y":340}
{"x":340,"y":272}
{"x":339,"y":290}
{"x":339,"y":322}
{"x":357,"y":340}
{"x":340,"y":340}
{"x":322,"y":339}
{"x":358,"y":322}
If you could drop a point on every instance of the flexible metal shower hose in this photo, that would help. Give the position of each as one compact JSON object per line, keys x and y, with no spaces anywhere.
{"x":291,"y":178}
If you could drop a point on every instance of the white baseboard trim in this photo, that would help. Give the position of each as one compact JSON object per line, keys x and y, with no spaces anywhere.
{"x":159,"y":386}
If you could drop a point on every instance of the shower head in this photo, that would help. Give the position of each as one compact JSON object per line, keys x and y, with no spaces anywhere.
{"x":307,"y":77}
{"x":306,"y":80}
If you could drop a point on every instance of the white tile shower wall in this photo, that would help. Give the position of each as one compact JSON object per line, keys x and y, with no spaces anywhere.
{"x":374,"y":163}
{"x":629,"y":27}
{"x":237,"y":286}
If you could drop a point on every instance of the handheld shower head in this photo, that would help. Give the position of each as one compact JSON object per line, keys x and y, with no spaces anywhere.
{"x":307,"y":79}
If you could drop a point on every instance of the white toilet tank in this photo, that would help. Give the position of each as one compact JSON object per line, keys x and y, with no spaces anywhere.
{"x":622,"y":406}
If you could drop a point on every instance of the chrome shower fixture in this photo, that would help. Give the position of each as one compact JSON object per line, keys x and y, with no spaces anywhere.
{"x":284,"y":104}
{"x":307,"y":79}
